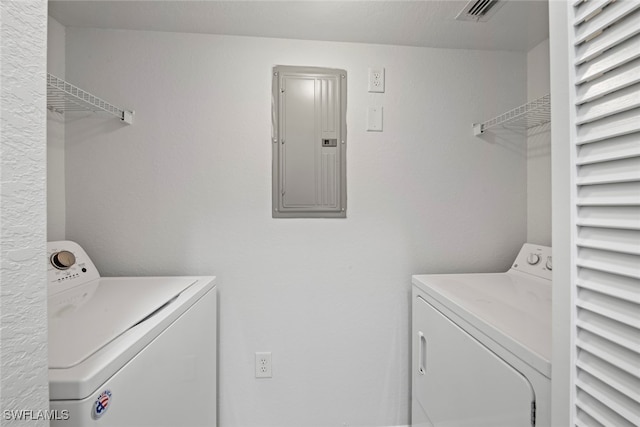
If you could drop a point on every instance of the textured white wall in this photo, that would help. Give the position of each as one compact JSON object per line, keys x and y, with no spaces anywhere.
{"x":186,"y":190}
{"x":55,"y":138}
{"x":23,"y":297}
{"x":538,"y":152}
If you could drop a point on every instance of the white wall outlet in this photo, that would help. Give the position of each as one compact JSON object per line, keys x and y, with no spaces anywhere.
{"x":376,"y":79}
{"x":263,"y":364}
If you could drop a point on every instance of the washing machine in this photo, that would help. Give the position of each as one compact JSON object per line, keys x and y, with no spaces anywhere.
{"x":129,"y":351}
{"x":481,"y":346}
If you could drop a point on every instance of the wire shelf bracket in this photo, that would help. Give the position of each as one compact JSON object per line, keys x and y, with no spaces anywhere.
{"x":63,"y":96}
{"x":527,"y":116}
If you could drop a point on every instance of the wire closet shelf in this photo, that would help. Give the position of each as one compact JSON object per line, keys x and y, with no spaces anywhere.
{"x":527,"y":116}
{"x":63,"y":96}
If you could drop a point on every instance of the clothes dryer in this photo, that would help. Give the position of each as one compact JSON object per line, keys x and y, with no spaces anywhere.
{"x":482,"y":346}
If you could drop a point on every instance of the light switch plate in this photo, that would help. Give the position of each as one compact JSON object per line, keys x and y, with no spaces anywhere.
{"x":374,"y":119}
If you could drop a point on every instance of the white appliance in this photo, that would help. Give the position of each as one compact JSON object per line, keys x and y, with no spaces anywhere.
{"x":129,"y":351}
{"x":482,"y":346}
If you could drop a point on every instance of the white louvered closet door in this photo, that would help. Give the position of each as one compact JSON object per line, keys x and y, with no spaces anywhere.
{"x":606,"y":134}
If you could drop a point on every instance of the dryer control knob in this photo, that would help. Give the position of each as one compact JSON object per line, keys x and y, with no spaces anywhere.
{"x":63,"y":260}
{"x":549,"y":264}
{"x":533,"y":259}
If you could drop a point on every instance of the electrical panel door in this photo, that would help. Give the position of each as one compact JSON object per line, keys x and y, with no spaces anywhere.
{"x":309,"y":142}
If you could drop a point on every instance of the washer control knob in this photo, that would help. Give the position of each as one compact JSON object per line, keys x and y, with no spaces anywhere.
{"x":63,"y":260}
{"x":533,"y":259}
{"x":549,"y":263}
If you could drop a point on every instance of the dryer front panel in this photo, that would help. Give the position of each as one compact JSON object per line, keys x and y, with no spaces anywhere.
{"x":457,"y":381}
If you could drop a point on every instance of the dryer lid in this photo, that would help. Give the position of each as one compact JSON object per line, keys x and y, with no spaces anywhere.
{"x":84,"y":319}
{"x":512,"y":308}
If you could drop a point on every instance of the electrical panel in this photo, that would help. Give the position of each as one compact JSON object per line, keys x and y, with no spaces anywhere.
{"x":309,"y":140}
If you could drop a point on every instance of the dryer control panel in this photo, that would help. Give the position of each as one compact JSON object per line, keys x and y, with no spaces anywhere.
{"x":535,"y":260}
{"x":68,"y":266}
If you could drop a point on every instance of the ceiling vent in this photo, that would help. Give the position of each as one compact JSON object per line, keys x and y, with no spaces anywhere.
{"x":479,"y":10}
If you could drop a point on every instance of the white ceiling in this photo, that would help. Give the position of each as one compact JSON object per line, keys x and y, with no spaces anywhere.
{"x":518,"y":26}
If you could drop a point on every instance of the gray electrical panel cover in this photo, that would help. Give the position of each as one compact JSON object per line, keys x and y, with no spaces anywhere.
{"x":309,"y":140}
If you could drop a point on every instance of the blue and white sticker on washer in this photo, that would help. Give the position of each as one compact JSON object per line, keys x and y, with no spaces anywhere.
{"x":101,"y":404}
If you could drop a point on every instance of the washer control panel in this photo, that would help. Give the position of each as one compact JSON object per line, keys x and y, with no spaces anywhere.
{"x":63,"y":260}
{"x":68,"y":266}
{"x":534,"y":259}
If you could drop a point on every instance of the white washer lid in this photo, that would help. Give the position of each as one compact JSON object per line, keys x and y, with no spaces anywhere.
{"x":86,"y":318}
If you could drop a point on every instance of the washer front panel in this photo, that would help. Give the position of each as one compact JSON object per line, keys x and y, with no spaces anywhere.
{"x":81,"y":379}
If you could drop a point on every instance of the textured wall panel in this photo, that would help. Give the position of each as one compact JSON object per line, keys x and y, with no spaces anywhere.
{"x":23,"y":322}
